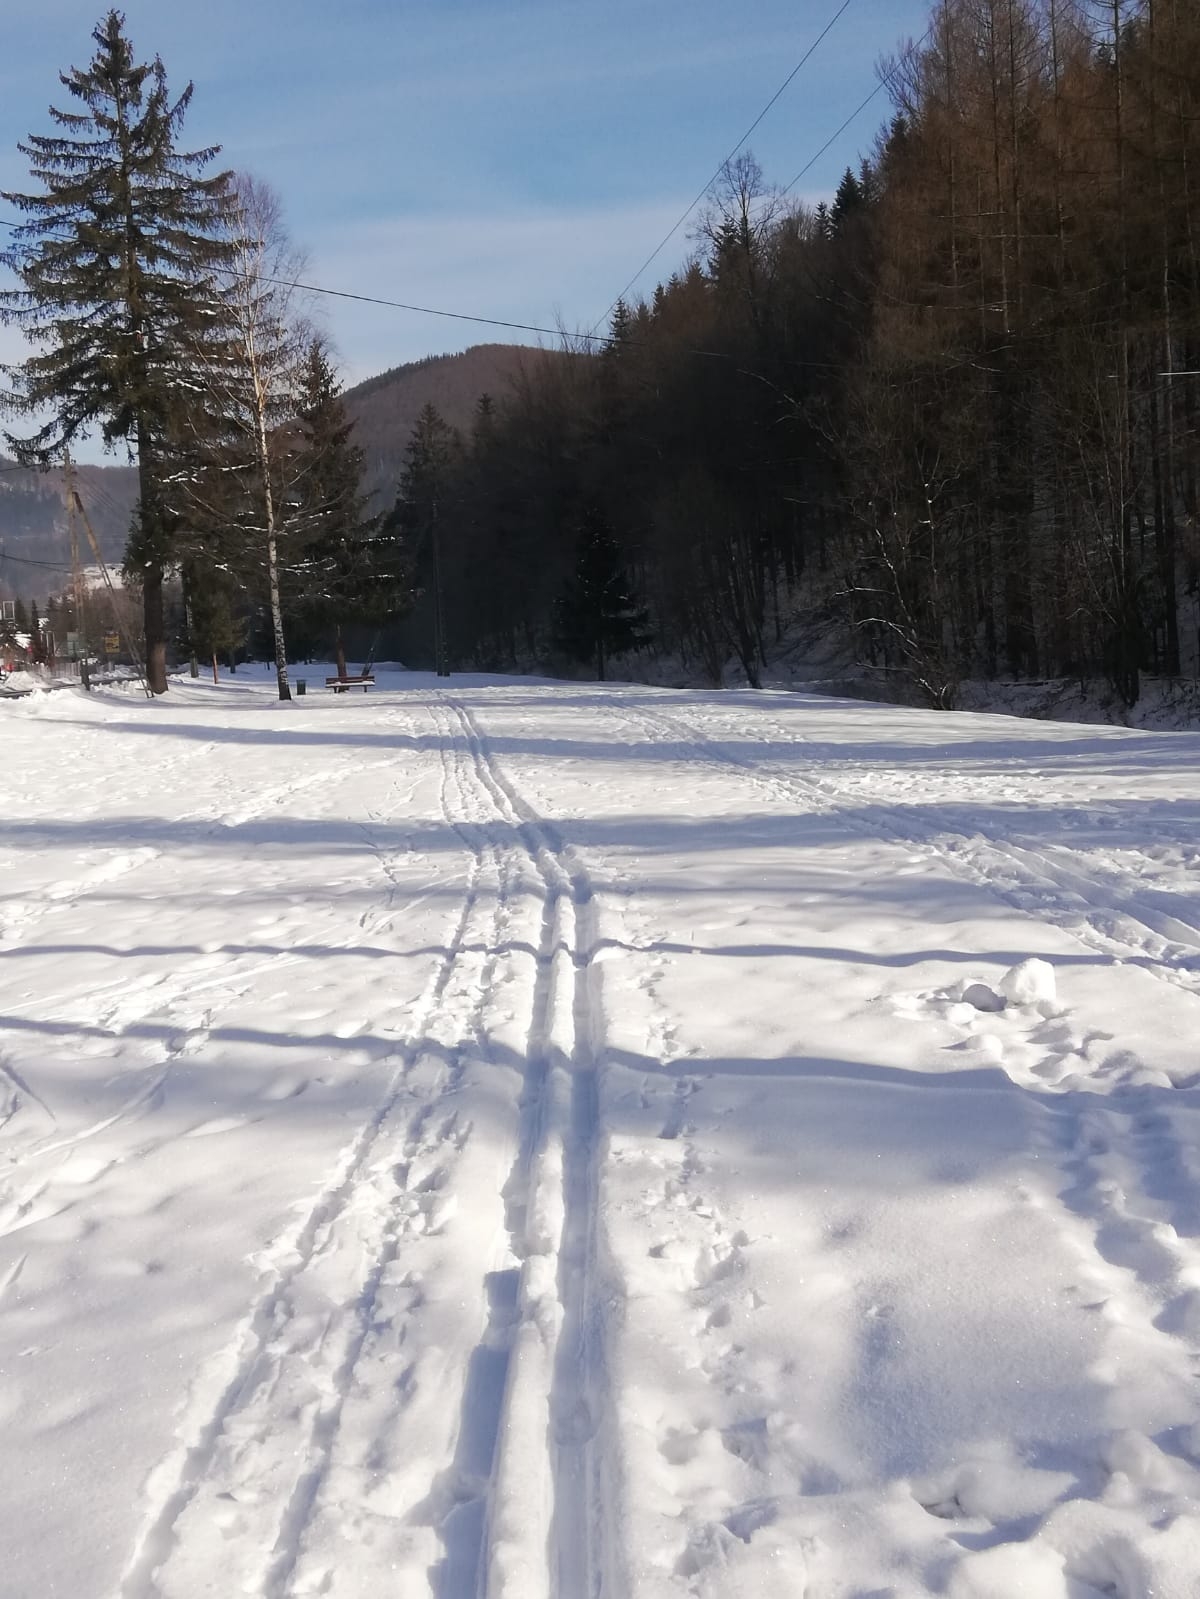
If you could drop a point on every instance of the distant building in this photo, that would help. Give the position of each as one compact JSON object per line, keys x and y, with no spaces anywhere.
{"x":15,"y":653}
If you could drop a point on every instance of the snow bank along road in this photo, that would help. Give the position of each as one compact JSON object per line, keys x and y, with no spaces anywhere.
{"x":552,"y":1142}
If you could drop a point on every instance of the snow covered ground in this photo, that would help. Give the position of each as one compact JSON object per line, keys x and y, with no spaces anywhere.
{"x":564,"y":1142}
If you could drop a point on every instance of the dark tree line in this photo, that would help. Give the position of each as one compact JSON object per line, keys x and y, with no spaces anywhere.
{"x":956,"y":408}
{"x":955,"y":411}
{"x":1026,"y":402}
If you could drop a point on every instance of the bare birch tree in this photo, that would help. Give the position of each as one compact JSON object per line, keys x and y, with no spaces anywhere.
{"x":236,"y":484}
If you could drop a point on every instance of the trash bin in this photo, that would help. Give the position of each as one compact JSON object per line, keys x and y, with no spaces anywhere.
{"x":301,"y":685}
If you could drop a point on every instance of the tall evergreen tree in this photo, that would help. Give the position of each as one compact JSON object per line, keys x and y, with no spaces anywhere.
{"x":419,"y":511}
{"x":214,"y":625}
{"x":597,"y":617}
{"x":620,"y":325}
{"x":350,"y":567}
{"x":115,"y":263}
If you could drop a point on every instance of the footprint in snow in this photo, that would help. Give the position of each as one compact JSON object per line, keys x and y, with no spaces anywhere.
{"x":82,"y":1168}
{"x":286,"y":1088}
{"x":218,"y":1124}
{"x":679,"y":1446}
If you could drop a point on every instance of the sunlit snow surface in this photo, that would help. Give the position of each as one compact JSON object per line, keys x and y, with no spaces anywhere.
{"x":564,"y":1142}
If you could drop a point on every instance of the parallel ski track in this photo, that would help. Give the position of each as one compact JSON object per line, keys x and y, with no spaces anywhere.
{"x":207,"y":821}
{"x":560,"y":1104}
{"x":1093,"y":924}
{"x":246,"y":1364}
{"x":187,"y":981}
{"x":208,"y":824}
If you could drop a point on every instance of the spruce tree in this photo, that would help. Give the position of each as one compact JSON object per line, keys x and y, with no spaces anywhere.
{"x":620,"y":326}
{"x":432,"y":454}
{"x":115,"y":262}
{"x":596,"y":616}
{"x":215,"y":626}
{"x":349,"y":568}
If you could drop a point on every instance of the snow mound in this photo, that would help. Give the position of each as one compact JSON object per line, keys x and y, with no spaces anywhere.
{"x":1013,"y":1569}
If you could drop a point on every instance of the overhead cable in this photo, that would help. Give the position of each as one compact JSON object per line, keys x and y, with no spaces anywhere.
{"x":667,"y":237}
{"x":885,"y":79}
{"x":593,"y":337}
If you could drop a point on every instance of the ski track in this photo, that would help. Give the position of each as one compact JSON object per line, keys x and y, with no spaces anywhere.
{"x":1023,"y":875}
{"x":358,"y":1465}
{"x":149,"y":1005}
{"x":16,"y":923}
{"x":56,"y":1188}
{"x":286,"y":1427}
{"x":209,"y":820}
{"x":552,"y":1207}
{"x":252,"y":1454}
{"x":262,"y":1450}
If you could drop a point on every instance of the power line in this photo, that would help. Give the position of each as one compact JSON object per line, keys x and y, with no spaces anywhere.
{"x":27,"y":560}
{"x":424,"y":310}
{"x":884,"y":82}
{"x":402,"y":305}
{"x":592,"y":337}
{"x":463,"y":316}
{"x":530,"y":327}
{"x":666,"y":239}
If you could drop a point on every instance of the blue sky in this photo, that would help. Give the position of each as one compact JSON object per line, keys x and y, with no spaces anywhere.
{"x":516,"y":159}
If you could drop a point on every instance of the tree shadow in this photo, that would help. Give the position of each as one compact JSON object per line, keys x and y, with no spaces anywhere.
{"x":806,"y":720}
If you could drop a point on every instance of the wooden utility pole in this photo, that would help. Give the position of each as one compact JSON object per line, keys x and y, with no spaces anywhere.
{"x":126,"y":635}
{"x":77,"y":584}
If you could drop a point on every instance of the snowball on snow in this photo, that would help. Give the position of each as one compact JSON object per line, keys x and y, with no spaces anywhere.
{"x":1030,"y":983}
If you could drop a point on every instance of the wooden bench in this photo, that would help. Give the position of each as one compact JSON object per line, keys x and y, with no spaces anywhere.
{"x":364,"y":681}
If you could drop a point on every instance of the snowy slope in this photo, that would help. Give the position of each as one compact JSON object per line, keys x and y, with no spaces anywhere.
{"x":548,"y":1141}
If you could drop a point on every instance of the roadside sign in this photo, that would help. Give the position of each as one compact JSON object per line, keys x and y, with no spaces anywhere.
{"x":112,"y":643}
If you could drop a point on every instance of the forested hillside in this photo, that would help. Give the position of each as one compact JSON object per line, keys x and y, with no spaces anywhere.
{"x":956,"y":409}
{"x":33,"y":525}
{"x":385,"y":409}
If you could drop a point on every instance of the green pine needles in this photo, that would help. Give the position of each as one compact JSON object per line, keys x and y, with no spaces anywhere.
{"x":117,"y":263}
